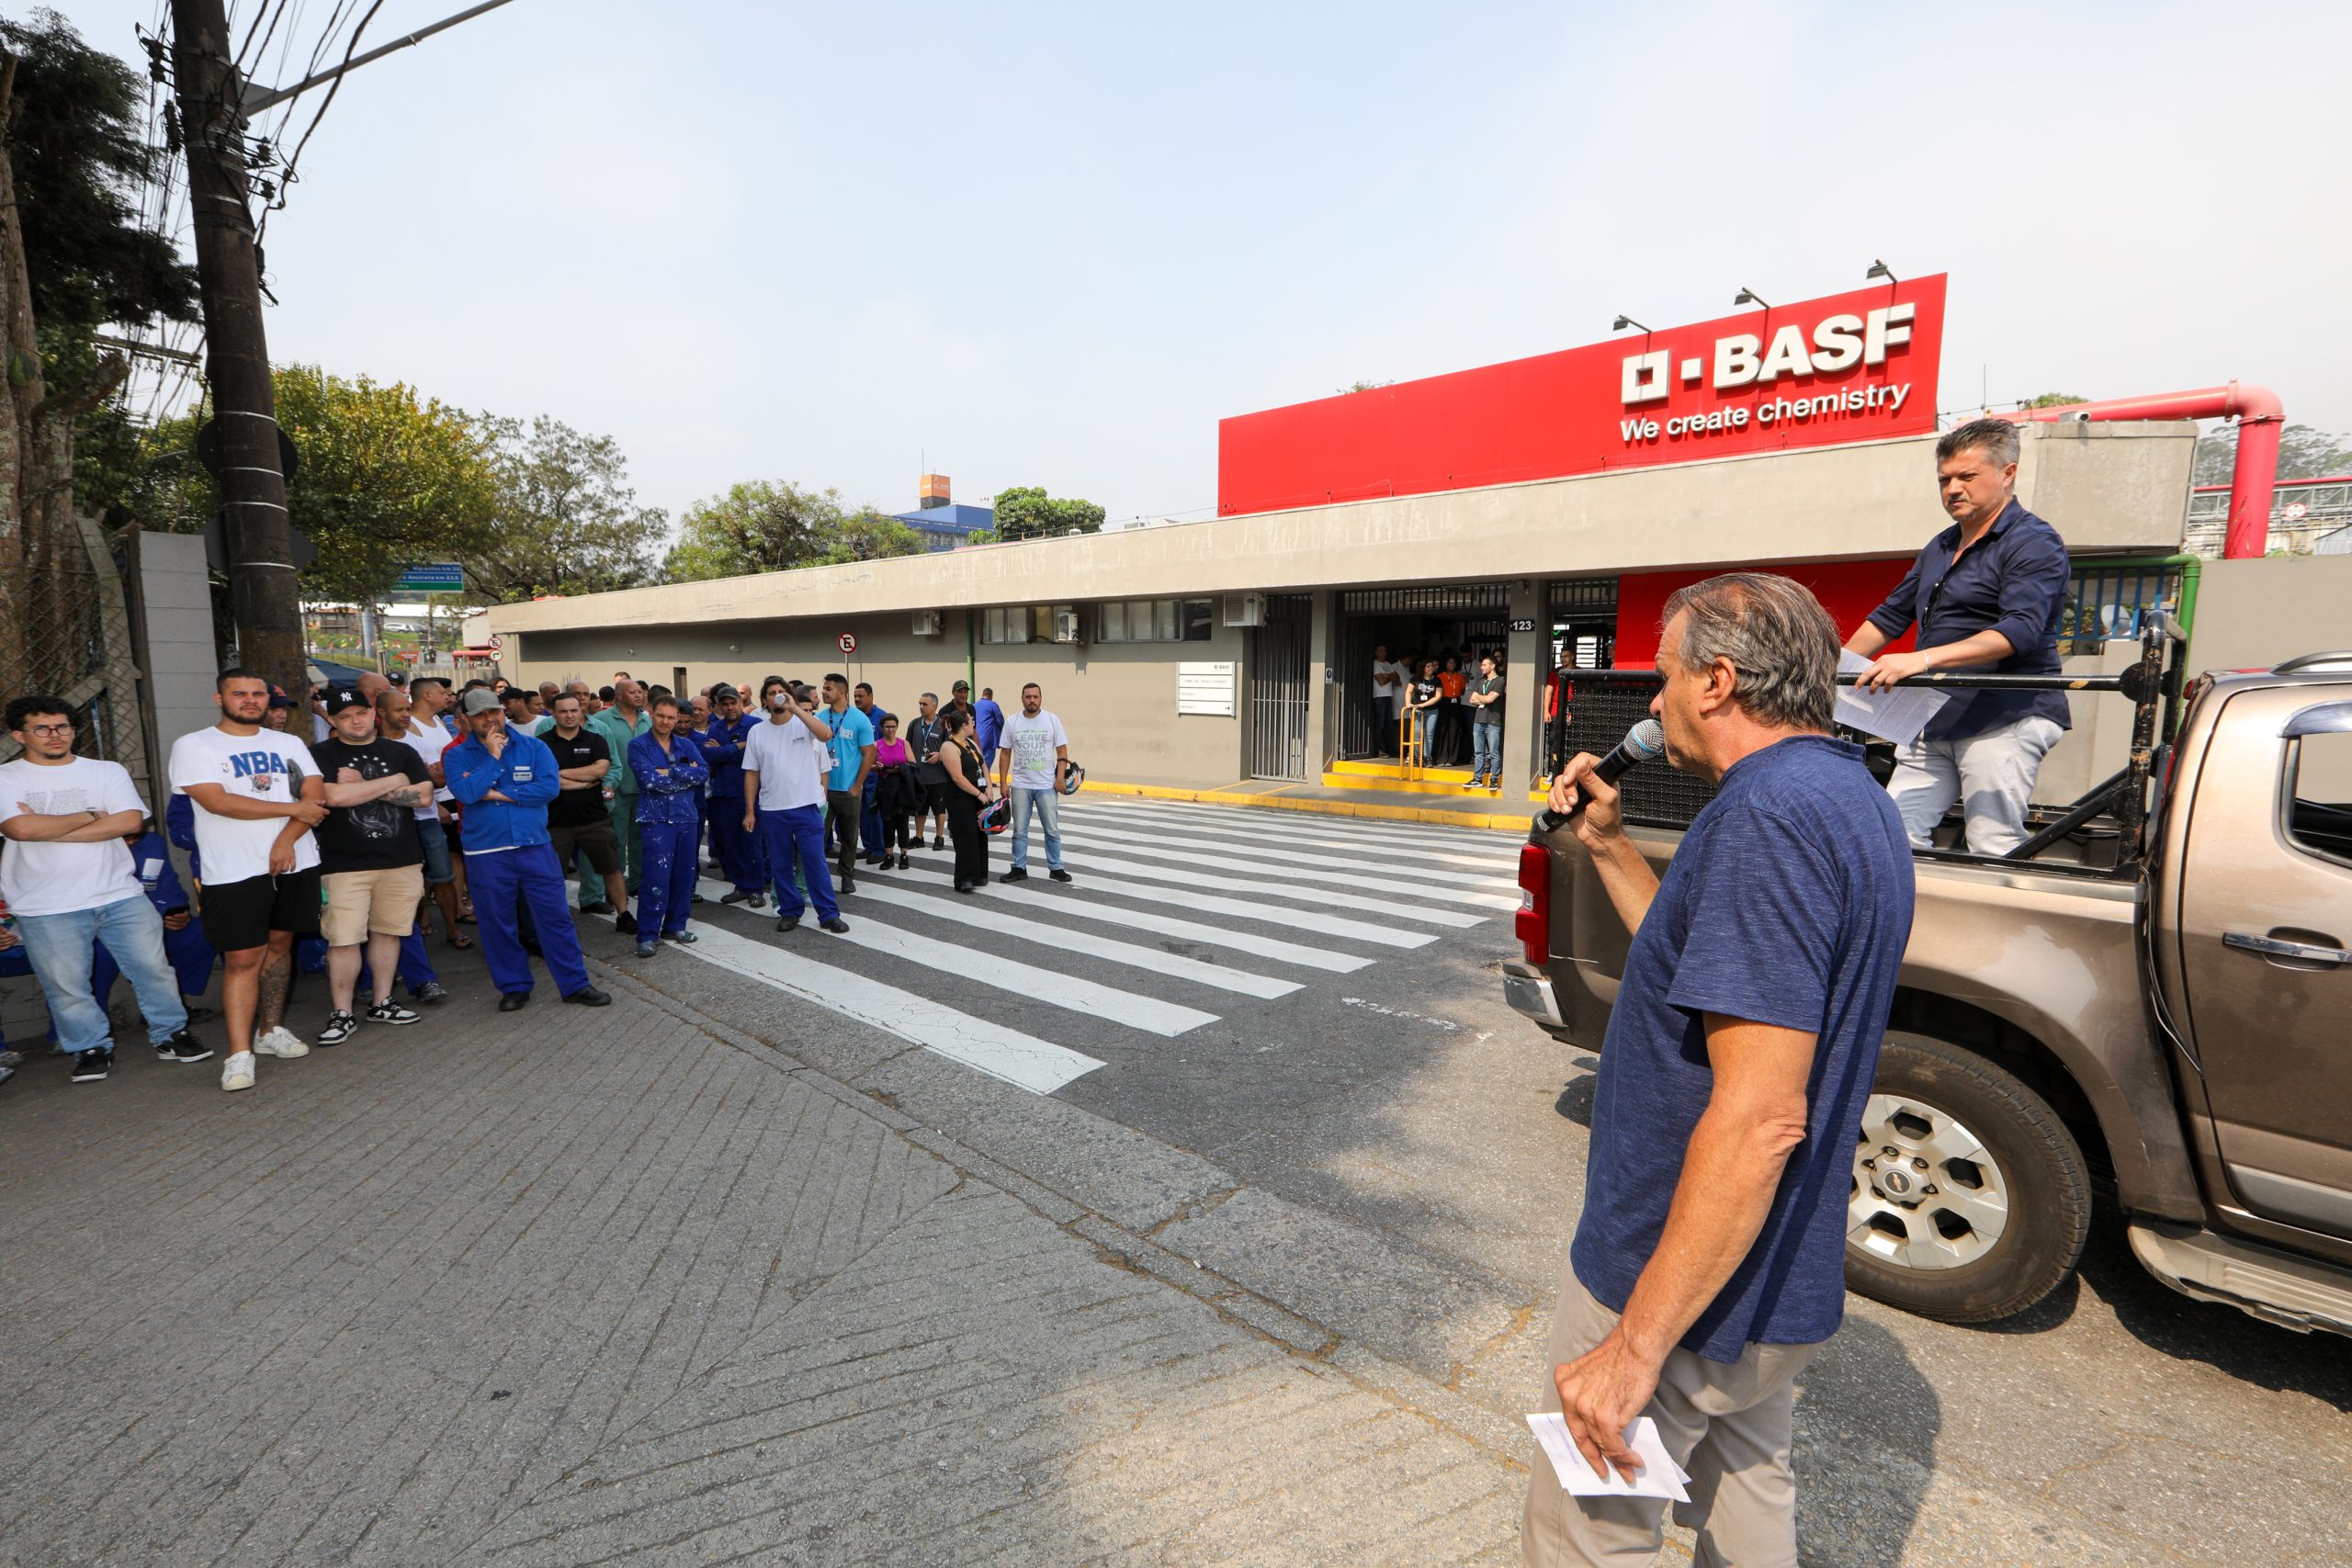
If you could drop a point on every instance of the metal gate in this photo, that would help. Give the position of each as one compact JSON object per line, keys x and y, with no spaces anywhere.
{"x":1477,"y":612}
{"x":1278,"y":688}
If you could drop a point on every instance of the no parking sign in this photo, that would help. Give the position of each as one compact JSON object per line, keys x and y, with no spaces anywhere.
{"x":848,"y":642}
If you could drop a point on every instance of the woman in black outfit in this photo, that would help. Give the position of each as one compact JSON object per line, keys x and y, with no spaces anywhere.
{"x":968,"y":791}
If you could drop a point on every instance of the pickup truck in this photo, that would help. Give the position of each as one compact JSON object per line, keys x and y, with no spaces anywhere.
{"x":2151,"y":999}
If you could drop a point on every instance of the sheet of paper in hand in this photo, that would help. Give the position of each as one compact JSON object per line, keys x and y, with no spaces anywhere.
{"x":1658,"y":1477}
{"x":1897,"y":713}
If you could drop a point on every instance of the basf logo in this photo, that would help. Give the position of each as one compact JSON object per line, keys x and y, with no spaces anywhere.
{"x":1857,"y":367}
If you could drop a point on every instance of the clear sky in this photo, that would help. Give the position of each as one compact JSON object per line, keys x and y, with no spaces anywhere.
{"x":1053,"y":244}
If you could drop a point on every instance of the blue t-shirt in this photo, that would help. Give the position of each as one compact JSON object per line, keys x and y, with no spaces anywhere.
{"x":1788,"y":903}
{"x":853,"y":733}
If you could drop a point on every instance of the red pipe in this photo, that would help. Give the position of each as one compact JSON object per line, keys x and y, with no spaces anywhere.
{"x":2260,"y":418}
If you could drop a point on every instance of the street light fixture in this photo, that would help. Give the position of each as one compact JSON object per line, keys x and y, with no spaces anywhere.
{"x":1879,"y":269}
{"x":1750,"y":297}
{"x":1623,"y":321}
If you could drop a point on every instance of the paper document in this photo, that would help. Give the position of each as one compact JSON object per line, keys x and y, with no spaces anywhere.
{"x":1896,"y":713}
{"x":1659,"y":1475}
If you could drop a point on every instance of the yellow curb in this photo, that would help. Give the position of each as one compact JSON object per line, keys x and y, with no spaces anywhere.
{"x":1492,"y":822}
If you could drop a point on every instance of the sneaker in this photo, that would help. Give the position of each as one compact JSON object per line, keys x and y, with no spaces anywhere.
{"x":939,"y":843}
{"x":237,"y":1072}
{"x":626,"y":924}
{"x":514,"y":1001}
{"x":902,"y":860}
{"x":183,"y":1047}
{"x":737,"y":896}
{"x":756,"y":901}
{"x":846,"y":885}
{"x":589,"y":997}
{"x":341,"y":1026}
{"x":1058,"y":875}
{"x":788,"y":923}
{"x":283,"y":1041}
{"x":91,"y":1066}
{"x":431,"y":992}
{"x":648,"y":949}
{"x":598,"y":908}
{"x":11,"y":1060}
{"x":836,"y":925}
{"x":687,"y":939}
{"x":1018,"y":873}
{"x":391,"y":1012}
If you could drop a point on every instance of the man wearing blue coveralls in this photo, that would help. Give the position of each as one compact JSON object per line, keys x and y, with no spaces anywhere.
{"x":669,"y":771}
{"x":722,"y":752}
{"x":504,"y":778}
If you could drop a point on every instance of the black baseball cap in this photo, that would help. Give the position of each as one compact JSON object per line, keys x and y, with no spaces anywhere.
{"x":342,"y":697}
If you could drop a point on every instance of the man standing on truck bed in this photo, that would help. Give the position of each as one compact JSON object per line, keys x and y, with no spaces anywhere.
{"x":1986,"y":593}
{"x":1708,"y":1265}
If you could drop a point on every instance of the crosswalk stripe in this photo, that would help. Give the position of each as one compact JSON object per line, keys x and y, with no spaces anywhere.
{"x":1109,"y":948}
{"x":1265,"y":947}
{"x":1298,"y":873}
{"x":1468,"y":840}
{"x":1239,"y":853}
{"x":1298,"y":891}
{"x":1021,"y":1060}
{"x":1245,"y":832}
{"x":1148,"y":1013}
{"x":1205,"y":904}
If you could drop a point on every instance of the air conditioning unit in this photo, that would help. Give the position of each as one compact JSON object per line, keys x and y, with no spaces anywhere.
{"x":1066,"y":626}
{"x":1245,"y":609}
{"x":926,"y":623}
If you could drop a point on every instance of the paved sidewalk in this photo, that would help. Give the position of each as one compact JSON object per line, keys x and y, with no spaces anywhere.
{"x":576,"y":1286}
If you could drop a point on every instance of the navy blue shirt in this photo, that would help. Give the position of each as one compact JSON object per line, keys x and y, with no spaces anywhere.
{"x":2013,"y":580}
{"x":1788,"y":903}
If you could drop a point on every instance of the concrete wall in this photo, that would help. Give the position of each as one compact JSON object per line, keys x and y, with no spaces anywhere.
{"x":1117,"y":700}
{"x":180,"y":660}
{"x":2252,"y":615}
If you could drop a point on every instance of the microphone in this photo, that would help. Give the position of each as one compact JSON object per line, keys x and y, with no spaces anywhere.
{"x":1646,"y":742}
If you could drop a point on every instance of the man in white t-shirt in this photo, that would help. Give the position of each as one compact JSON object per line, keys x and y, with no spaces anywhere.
{"x":258,"y":794}
{"x":1387,"y":691}
{"x":1033,"y":752}
{"x":67,"y":876}
{"x":785,"y":761}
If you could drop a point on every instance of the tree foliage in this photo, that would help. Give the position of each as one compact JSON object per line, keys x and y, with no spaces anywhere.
{"x":565,"y":519}
{"x":1030,"y":514}
{"x":776,"y":525}
{"x":2304,"y":453}
{"x":2055,"y":400}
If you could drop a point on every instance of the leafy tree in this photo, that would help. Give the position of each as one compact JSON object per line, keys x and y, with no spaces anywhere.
{"x":2055,"y":400}
{"x":776,"y":525}
{"x":1359,"y":387}
{"x":1030,"y":514}
{"x":565,"y":519}
{"x":2304,"y":453}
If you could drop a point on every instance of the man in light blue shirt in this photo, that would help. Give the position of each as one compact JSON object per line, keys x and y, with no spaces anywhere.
{"x":852,"y":748}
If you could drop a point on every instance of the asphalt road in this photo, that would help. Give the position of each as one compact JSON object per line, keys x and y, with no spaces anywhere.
{"x":1292,"y":1027}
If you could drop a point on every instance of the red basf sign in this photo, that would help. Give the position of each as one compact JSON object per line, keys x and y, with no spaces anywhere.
{"x":1858,"y":366}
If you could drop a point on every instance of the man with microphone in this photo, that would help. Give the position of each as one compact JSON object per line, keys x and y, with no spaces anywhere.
{"x":1708,"y":1265}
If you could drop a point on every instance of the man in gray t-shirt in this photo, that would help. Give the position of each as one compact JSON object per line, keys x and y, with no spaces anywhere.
{"x":1486,"y":699}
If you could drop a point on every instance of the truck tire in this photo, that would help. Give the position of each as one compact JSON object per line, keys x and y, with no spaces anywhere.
{"x":1970,"y":1200}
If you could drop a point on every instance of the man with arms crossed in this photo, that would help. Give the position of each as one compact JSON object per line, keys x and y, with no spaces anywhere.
{"x":69,"y":878}
{"x":1708,"y":1266}
{"x":1033,"y":752}
{"x":258,"y":794}
{"x":577,"y":824}
{"x":619,"y":723}
{"x":784,"y":800}
{"x":370,"y":860}
{"x":1987,"y":594}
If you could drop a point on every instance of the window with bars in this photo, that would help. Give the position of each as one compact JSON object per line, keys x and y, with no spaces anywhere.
{"x":1155,"y":620}
{"x":1019,"y":623}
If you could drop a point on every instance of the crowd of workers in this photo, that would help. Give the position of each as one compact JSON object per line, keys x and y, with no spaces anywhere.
{"x":477,"y":804}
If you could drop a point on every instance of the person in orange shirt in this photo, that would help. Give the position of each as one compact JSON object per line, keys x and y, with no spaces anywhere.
{"x":1451,"y":682}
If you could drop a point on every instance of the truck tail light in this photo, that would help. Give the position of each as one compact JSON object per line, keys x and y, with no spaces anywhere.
{"x":1535,"y":925}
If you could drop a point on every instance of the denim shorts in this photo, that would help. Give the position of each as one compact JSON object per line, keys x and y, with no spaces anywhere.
{"x":438,"y":868}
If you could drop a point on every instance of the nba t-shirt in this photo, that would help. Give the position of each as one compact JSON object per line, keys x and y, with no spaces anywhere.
{"x":269,"y":765}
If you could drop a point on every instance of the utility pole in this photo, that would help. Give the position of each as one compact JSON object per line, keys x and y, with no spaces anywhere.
{"x":264,"y":592}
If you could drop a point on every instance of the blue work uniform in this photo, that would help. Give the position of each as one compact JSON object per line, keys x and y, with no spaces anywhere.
{"x":510,"y":864}
{"x":668,"y":824}
{"x":722,"y":752}
{"x":871,"y":834}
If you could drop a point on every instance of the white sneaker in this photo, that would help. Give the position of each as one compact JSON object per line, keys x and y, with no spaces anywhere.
{"x":237,"y":1072}
{"x":281,"y":1042}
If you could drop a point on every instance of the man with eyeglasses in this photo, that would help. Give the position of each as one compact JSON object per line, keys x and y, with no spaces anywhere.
{"x":69,"y":880}
{"x":1987,"y":595}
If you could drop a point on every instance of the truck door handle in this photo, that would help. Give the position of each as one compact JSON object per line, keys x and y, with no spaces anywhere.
{"x":2278,"y":947}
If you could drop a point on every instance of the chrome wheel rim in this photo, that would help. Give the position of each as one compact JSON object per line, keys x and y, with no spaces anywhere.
{"x":1926,"y":1193}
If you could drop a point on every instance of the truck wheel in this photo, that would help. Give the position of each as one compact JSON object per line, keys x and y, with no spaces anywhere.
{"x":1970,"y":1200}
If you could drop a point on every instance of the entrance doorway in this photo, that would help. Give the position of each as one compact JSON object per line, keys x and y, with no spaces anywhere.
{"x":1460,"y":619}
{"x":1583,"y":637}
{"x":1278,"y":661}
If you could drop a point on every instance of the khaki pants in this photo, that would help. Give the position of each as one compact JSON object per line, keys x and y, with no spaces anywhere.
{"x":1728,"y":1425}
